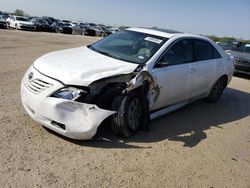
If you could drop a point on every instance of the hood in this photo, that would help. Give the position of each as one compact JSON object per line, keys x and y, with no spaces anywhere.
{"x":81,"y":66}
{"x":23,"y":22}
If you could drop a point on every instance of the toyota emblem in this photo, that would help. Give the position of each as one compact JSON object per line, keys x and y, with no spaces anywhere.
{"x":30,"y":76}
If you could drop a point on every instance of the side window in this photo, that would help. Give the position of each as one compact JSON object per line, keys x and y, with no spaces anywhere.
{"x":216,"y":54}
{"x":202,"y":50}
{"x":181,"y":52}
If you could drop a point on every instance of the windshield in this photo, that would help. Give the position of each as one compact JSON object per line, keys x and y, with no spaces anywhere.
{"x":131,"y":46}
{"x":21,"y":19}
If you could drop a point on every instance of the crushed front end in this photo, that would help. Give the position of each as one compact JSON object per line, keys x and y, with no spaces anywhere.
{"x":48,"y":102}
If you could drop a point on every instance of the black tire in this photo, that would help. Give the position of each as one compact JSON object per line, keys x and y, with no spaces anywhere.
{"x":217,"y":90}
{"x":129,"y":117}
{"x":16,"y":27}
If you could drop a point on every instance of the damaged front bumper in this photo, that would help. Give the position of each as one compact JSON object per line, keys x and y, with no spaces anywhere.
{"x":72,"y":119}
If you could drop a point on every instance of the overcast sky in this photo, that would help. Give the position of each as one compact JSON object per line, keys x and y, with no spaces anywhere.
{"x":219,"y":17}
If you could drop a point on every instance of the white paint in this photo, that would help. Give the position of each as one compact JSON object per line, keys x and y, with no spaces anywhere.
{"x":81,"y":66}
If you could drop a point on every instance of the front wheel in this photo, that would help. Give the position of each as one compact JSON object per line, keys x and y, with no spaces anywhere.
{"x":129,"y":117}
{"x":16,"y":26}
{"x":217,"y":90}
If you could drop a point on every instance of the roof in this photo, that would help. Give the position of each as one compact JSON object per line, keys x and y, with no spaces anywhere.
{"x":157,"y":31}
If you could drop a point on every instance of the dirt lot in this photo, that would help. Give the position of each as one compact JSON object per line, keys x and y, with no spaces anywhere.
{"x":200,"y":145}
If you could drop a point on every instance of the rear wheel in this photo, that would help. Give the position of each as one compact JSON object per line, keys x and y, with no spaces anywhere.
{"x":217,"y":90}
{"x":129,"y":116}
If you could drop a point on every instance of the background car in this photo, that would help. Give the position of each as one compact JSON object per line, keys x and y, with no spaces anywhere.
{"x":41,"y":24}
{"x":50,"y":20}
{"x":3,"y":23}
{"x":19,"y":22}
{"x":61,"y":27}
{"x":88,"y":31}
{"x":106,"y":31}
{"x":241,"y":53}
{"x":113,"y":29}
{"x":228,"y":45}
{"x":76,"y":28}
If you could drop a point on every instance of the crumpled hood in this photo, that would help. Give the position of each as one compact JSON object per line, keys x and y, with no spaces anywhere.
{"x":81,"y":66}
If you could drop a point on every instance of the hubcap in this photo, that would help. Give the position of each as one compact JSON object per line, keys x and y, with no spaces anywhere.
{"x":218,"y":88}
{"x":134,"y":114}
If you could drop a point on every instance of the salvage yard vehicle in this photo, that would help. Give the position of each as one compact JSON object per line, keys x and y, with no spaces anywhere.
{"x":127,"y":78}
{"x":241,"y":53}
{"x":61,"y":27}
{"x":19,"y":22}
{"x":3,"y":23}
{"x":41,"y":25}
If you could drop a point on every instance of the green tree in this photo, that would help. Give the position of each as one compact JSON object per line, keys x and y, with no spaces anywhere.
{"x":19,"y":12}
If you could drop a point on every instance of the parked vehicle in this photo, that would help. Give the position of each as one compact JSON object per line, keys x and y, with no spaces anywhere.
{"x":19,"y":22}
{"x":241,"y":53}
{"x":131,"y":77}
{"x":76,"y":29}
{"x":41,"y":25}
{"x":114,"y":29}
{"x":61,"y":27}
{"x":3,"y":23}
{"x":228,"y":45}
{"x":105,"y":31}
{"x":50,"y":20}
{"x":89,"y":31}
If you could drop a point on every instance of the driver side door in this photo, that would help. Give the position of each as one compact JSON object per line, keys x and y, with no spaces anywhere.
{"x":171,"y":73}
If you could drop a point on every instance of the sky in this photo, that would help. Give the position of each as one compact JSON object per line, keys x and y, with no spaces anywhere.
{"x":214,"y":17}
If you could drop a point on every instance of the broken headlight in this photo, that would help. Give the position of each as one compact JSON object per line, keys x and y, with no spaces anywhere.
{"x":69,"y":93}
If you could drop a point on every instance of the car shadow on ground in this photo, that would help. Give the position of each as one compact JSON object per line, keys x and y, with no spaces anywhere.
{"x":242,"y":75}
{"x":186,"y":125}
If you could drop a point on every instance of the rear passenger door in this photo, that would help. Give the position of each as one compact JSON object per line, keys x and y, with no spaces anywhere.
{"x":171,"y":73}
{"x":203,"y":72}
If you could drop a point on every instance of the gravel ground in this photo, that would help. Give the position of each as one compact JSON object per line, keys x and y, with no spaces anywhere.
{"x":200,"y":145}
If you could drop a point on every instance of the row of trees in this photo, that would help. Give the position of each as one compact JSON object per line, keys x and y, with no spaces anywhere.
{"x":19,"y":12}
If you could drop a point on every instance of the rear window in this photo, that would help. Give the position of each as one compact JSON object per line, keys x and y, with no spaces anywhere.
{"x":204,"y":51}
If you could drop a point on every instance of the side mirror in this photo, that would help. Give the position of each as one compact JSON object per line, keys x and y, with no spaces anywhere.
{"x":161,"y":64}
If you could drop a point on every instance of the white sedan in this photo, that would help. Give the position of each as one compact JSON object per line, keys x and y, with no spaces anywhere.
{"x":19,"y":22}
{"x":128,"y":78}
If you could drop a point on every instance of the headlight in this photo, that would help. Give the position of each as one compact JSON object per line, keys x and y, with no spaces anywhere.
{"x":69,"y":93}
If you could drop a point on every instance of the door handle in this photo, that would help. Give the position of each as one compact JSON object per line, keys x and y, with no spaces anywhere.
{"x":192,"y":70}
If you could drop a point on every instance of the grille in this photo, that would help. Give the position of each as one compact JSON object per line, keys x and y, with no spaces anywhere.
{"x":37,"y":85}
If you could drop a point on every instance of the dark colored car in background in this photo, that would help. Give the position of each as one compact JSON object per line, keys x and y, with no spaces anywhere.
{"x":89,"y":31}
{"x":3,"y":23}
{"x":105,"y":30}
{"x":41,"y":25}
{"x":50,"y":20}
{"x":60,"y":27}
